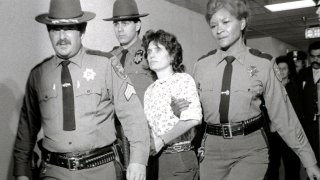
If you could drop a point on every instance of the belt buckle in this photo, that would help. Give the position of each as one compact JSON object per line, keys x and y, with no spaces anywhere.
{"x":73,"y":163}
{"x":226,"y":131}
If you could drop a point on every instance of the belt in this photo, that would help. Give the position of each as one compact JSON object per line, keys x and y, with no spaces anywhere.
{"x":80,"y":160}
{"x":178,"y":147}
{"x":228,"y":130}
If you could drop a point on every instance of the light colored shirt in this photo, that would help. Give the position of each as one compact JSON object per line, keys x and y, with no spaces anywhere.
{"x":158,"y":98}
{"x":316,"y":75}
{"x":101,"y":89}
{"x":254,"y":74}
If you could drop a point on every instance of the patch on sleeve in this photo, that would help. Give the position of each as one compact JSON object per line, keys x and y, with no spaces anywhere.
{"x":129,"y":91}
{"x":300,"y":135}
{"x":119,"y":69}
{"x":277,"y":72}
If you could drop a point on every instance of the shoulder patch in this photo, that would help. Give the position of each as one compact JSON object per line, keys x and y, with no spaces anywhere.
{"x":99,"y":53}
{"x":258,"y":53}
{"x":208,"y":54}
{"x":277,"y":72}
{"x":117,"y":67}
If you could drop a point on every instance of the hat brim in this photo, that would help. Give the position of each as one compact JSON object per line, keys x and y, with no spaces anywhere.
{"x":123,"y":18}
{"x":43,"y":18}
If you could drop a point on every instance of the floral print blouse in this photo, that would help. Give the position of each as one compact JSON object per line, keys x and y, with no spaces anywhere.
{"x":157,"y":100}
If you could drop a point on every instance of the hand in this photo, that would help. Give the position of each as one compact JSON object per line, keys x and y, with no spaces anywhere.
{"x":178,"y":105}
{"x":313,"y":172}
{"x":136,"y":171}
{"x":22,"y":178}
{"x":158,"y":144}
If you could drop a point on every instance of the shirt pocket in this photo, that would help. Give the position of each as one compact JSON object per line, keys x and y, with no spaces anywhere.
{"x":240,"y":100}
{"x":87,"y":100}
{"x":209,"y":98}
{"x":48,"y":103}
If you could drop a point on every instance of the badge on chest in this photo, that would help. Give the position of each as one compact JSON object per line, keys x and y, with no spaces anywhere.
{"x":138,"y":57}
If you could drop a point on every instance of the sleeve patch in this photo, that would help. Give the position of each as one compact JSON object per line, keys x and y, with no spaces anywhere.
{"x":129,"y":91}
{"x":119,"y":69}
{"x":277,"y":72}
{"x":300,"y":136}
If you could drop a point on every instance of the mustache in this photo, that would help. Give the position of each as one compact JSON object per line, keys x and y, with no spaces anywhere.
{"x":315,"y":63}
{"x":63,"y":42}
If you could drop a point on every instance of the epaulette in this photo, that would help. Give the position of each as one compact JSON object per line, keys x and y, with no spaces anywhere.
{"x":258,"y":53}
{"x":208,"y":54}
{"x":99,"y":53}
{"x":45,"y":60}
{"x":114,"y":48}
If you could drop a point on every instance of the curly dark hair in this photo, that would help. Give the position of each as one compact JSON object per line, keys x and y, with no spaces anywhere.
{"x":292,"y":68}
{"x":170,"y":42}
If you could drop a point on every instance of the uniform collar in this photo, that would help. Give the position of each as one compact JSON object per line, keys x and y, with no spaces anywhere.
{"x":239,"y":54}
{"x":77,"y":59}
{"x":132,"y":49}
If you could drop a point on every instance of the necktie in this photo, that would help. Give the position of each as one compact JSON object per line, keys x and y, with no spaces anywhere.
{"x":123,"y":57}
{"x":67,"y":98}
{"x":225,"y":90}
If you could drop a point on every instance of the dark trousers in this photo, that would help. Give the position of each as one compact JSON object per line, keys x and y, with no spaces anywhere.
{"x":279,"y":149}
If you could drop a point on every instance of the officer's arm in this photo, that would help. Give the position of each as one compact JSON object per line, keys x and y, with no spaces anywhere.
{"x":28,"y":128}
{"x":131,"y":115}
{"x":284,"y":119}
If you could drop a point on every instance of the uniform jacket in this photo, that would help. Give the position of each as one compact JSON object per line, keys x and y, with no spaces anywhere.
{"x":136,"y":66}
{"x":101,"y":88}
{"x":309,"y":94}
{"x":254,"y":74}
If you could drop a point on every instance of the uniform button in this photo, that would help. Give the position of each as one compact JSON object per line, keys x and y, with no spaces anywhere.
{"x":46,"y":97}
{"x":136,"y":72}
{"x":88,"y":91}
{"x":70,"y":142}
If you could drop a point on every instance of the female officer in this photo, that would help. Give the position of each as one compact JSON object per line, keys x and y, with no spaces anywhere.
{"x":172,"y":135}
{"x":232,"y":82}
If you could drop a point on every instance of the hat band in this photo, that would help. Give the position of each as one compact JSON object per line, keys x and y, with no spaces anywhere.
{"x":127,"y":16}
{"x":65,"y":21}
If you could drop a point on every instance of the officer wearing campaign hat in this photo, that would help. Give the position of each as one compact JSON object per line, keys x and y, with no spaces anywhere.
{"x":127,"y":25}
{"x":73,"y":96}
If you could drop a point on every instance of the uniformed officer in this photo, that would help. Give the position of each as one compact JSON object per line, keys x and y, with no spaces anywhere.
{"x":127,"y":26}
{"x":73,"y":96}
{"x":231,"y":81}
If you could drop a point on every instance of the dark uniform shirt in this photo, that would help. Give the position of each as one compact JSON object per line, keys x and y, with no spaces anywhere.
{"x":136,"y":66}
{"x":101,"y":88}
{"x":253,"y":74}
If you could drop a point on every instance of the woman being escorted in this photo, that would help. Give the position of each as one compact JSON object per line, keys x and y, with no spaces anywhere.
{"x":172,"y":135}
{"x":233,"y":81}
